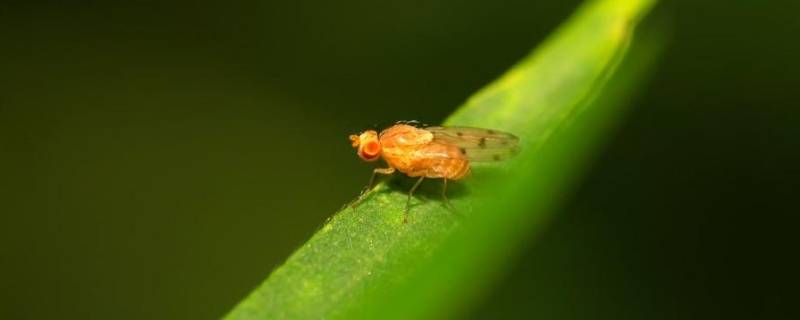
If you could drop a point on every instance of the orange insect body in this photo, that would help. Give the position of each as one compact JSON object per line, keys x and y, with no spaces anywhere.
{"x":411,"y":151}
{"x":433,"y":152}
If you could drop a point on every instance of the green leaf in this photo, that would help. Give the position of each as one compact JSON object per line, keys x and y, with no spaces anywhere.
{"x":561,"y":100}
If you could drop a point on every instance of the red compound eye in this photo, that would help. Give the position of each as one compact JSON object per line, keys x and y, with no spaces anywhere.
{"x":371,"y":149}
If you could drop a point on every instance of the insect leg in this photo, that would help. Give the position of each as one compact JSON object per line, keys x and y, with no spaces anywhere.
{"x":384,"y":171}
{"x":444,"y":196}
{"x":411,"y":193}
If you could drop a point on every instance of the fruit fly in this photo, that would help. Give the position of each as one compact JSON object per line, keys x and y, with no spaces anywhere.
{"x":432,"y":152}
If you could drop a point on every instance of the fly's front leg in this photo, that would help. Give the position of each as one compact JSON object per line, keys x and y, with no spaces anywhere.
{"x":383,"y":171}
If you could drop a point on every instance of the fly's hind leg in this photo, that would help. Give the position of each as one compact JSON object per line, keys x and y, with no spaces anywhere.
{"x":411,"y":193}
{"x":383,"y":171}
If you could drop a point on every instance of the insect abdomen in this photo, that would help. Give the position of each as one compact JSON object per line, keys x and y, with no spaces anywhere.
{"x":452,"y":169}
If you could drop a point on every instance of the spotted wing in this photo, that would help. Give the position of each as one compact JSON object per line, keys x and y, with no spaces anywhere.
{"x":478,"y":144}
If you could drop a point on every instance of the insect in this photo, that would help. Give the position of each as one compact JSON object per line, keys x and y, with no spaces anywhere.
{"x":432,"y":152}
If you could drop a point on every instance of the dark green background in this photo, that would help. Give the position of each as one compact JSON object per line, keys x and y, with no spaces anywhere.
{"x":159,"y":159}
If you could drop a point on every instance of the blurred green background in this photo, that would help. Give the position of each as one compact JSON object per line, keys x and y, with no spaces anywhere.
{"x":158,"y":159}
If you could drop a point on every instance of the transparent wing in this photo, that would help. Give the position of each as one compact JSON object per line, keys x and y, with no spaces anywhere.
{"x":478,"y":144}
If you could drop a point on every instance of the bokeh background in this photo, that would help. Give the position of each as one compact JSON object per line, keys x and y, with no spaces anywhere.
{"x":159,"y":159}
